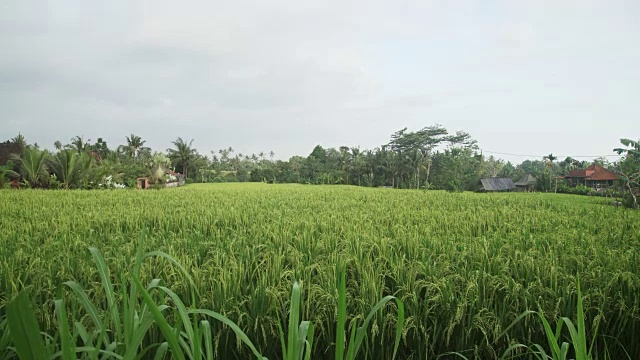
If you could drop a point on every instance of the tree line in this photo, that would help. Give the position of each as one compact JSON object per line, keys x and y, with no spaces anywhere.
{"x":428,"y":158}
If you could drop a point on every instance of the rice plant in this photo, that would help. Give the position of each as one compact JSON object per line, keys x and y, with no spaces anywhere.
{"x":465,"y":266}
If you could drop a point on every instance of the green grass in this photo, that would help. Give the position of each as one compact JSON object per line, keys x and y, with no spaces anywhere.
{"x":464,"y":265}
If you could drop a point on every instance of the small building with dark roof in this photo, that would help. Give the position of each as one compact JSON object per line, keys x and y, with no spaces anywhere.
{"x":595,"y":176}
{"x":496,"y":184}
{"x":526,"y":183}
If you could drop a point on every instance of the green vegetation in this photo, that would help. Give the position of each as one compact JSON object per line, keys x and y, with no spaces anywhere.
{"x":629,"y":170}
{"x":465,"y":266}
{"x":429,"y":158}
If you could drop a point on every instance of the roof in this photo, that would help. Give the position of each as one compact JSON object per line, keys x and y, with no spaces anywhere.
{"x":593,"y":172}
{"x":497,"y":184}
{"x":526,"y":180}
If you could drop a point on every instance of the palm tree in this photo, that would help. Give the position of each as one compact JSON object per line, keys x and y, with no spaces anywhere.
{"x":550,"y":159}
{"x":369,"y":160}
{"x":356,"y":163}
{"x":158,"y":164}
{"x":57,"y":145}
{"x":78,"y":144}
{"x":20,"y":141}
{"x":33,"y":165}
{"x":393,"y":163}
{"x":182,"y":155}
{"x":84,"y":163}
{"x":135,"y":147}
{"x":65,"y":163}
{"x":345,"y":161}
{"x":629,"y":168}
{"x":418,"y":162}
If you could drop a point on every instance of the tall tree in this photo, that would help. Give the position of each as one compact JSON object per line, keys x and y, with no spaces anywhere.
{"x":407,"y":145}
{"x":78,"y":144}
{"x":509,"y":171}
{"x":100,"y":149}
{"x":65,"y":167}
{"x":491,"y":166}
{"x":550,"y":159}
{"x":20,"y":141}
{"x":183,"y":155}
{"x":33,"y":166}
{"x":134,"y":147}
{"x":357,"y":163}
{"x":629,"y":169}
{"x":345,"y":161}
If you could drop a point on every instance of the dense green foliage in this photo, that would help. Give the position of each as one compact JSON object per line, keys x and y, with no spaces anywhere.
{"x":629,"y":170}
{"x":429,"y":158}
{"x":465,"y":265}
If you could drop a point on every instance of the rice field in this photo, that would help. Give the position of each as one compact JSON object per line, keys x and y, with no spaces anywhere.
{"x":464,"y":265}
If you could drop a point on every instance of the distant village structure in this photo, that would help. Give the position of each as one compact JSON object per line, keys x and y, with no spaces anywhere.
{"x":496,"y":185}
{"x":176,"y":179}
{"x":595,"y":176}
{"x":527,"y":183}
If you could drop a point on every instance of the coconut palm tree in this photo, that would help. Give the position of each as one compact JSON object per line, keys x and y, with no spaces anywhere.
{"x":629,"y":168}
{"x":20,"y":141}
{"x":550,"y":159}
{"x":78,"y":144}
{"x":183,"y":155}
{"x":33,"y":165}
{"x":345,"y":161}
{"x":356,"y":163}
{"x":65,"y":164}
{"x":134,"y":147}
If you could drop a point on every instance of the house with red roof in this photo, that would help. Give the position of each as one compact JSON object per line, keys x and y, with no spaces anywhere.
{"x":595,"y":176}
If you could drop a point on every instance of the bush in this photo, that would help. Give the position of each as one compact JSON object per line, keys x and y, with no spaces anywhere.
{"x":581,"y":189}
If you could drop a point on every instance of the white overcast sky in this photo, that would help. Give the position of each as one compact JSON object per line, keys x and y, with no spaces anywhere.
{"x":524,"y":77}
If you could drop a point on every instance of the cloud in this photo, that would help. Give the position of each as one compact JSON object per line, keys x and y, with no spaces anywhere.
{"x":284,"y":75}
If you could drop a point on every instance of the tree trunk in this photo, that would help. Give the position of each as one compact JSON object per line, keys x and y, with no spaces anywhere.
{"x":635,"y":199}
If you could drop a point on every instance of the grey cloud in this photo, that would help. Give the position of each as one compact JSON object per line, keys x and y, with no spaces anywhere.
{"x":284,"y":75}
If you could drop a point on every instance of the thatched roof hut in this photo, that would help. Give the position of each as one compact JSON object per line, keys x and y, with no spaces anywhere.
{"x":526,"y":183}
{"x":496,"y":184}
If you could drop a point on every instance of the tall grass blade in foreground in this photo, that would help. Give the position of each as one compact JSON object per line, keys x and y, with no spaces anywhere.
{"x":342,"y":313}
{"x":299,"y":333}
{"x":24,"y":329}
{"x":66,"y":340}
{"x":167,"y":331}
